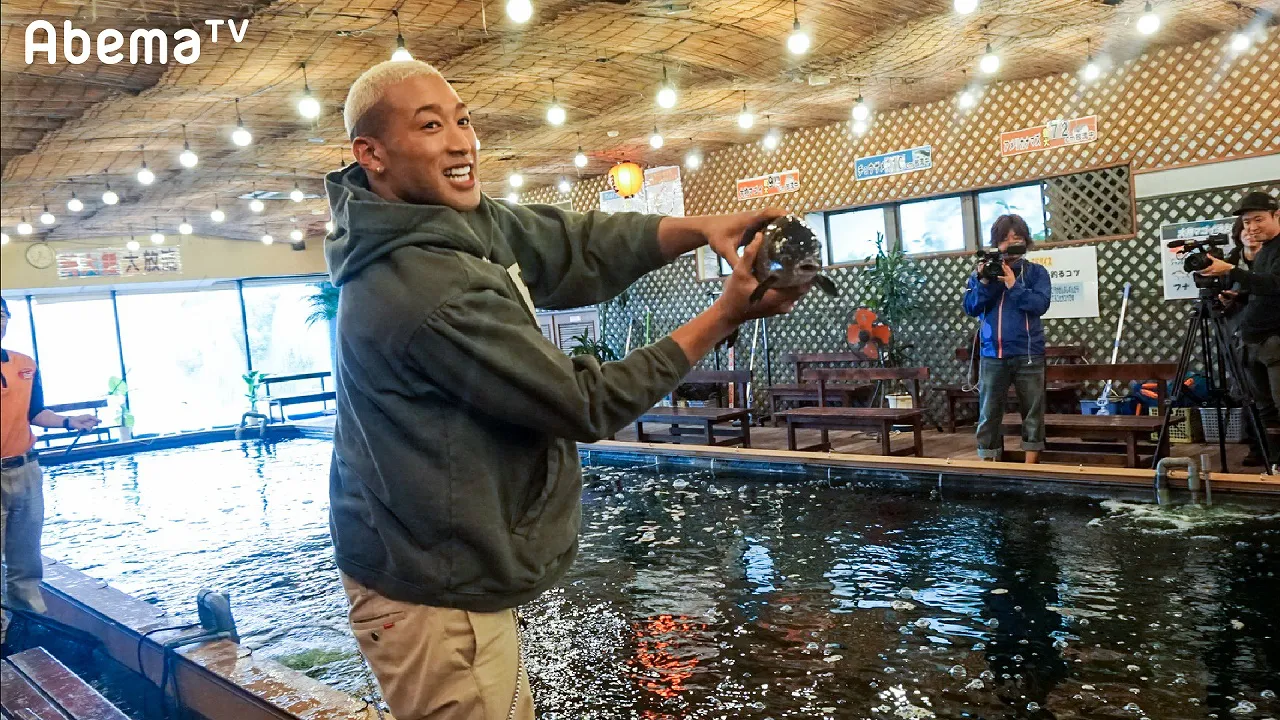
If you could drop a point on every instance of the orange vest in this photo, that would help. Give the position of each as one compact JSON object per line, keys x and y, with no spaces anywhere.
{"x":16,"y":437}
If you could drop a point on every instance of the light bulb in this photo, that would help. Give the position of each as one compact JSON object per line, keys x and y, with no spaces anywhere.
{"x":564,"y":187}
{"x":241,"y":137}
{"x":861,"y":111}
{"x":24,"y":228}
{"x":746,"y":119}
{"x":555,"y":114}
{"x":187,"y":158}
{"x":666,"y":97}
{"x":309,"y":107}
{"x":580,"y":160}
{"x":4,"y":238}
{"x":217,"y":215}
{"x":519,"y":10}
{"x":966,"y":99}
{"x":1149,"y":23}
{"x":771,"y":140}
{"x":109,"y":197}
{"x":515,"y":180}
{"x":47,"y":218}
{"x":693,"y":160}
{"x":1240,"y":42}
{"x":513,"y":198}
{"x":1091,"y":71}
{"x":798,"y":43}
{"x":157,"y":238}
{"x":295,"y":234}
{"x":255,"y":205}
{"x":964,"y":7}
{"x":74,"y":204}
{"x":145,"y":176}
{"x":184,"y":228}
{"x":860,"y":127}
{"x":401,"y":54}
{"x":296,"y":194}
{"x":655,"y":140}
{"x":267,"y":239}
{"x":989,"y":63}
{"x":132,"y":245}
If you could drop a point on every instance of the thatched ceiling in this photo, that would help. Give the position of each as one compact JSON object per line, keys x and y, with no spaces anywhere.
{"x":64,"y":125}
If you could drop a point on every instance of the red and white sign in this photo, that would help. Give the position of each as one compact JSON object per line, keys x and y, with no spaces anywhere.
{"x":1053,"y":134}
{"x":787,"y":181}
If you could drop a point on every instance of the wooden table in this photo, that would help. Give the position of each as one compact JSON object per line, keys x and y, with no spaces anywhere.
{"x":1106,"y":436}
{"x":702,"y":421}
{"x":879,"y":420}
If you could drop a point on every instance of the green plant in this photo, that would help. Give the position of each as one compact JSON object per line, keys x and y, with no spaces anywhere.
{"x":253,"y":383}
{"x":117,"y":388}
{"x":324,"y":303}
{"x":584,"y":344}
{"x":894,"y":282}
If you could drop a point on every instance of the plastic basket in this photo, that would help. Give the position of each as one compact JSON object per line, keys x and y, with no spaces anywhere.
{"x":1235,"y":424}
{"x":1181,"y":426}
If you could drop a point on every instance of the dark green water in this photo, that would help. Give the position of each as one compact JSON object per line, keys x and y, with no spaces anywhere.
{"x":698,"y":596}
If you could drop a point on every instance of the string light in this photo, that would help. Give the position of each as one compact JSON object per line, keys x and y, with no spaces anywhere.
{"x":1091,"y":69}
{"x":401,"y":54}
{"x":46,"y":217}
{"x":666,"y":92}
{"x":513,"y":198}
{"x":145,"y":176}
{"x":555,"y":112}
{"x":24,"y":227}
{"x":240,"y":136}
{"x":295,"y":235}
{"x":1240,"y":40}
{"x":771,"y":136}
{"x":519,"y":10}
{"x":964,"y":7}
{"x":990,"y":62}
{"x":966,"y":99}
{"x":74,"y":204}
{"x":267,"y":239}
{"x":217,"y":215}
{"x":109,"y":196}
{"x":308,"y":106}
{"x":1149,"y":22}
{"x":745,"y":118}
{"x":157,"y":237}
{"x":515,"y":180}
{"x":580,"y":160}
{"x":693,"y":160}
{"x":187,"y":158}
{"x":254,"y":203}
{"x":655,"y":140}
{"x":132,"y":244}
{"x":861,"y":110}
{"x":184,"y":227}
{"x":798,"y":43}
{"x":296,"y":193}
{"x":564,"y":186}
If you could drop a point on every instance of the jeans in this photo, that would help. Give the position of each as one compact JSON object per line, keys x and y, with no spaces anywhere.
{"x":1026,"y":374}
{"x":21,"y":523}
{"x":1262,"y":364}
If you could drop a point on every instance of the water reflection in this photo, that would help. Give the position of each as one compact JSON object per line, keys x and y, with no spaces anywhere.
{"x":704,"y":597}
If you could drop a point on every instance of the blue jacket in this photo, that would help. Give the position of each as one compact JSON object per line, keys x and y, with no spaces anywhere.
{"x":1011,"y":316}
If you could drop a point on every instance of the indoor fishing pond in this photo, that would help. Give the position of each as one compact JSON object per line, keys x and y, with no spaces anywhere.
{"x":701,"y":595}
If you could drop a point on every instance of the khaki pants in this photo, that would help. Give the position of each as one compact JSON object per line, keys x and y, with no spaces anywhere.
{"x":435,"y":663}
{"x":21,"y":522}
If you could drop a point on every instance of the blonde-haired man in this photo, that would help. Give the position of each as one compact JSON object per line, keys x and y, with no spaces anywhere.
{"x":455,"y":486}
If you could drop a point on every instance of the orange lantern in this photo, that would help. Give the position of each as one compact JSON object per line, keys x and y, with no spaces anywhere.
{"x":626,"y":178}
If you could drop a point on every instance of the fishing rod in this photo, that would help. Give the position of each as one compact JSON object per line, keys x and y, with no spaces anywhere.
{"x":1104,"y":398}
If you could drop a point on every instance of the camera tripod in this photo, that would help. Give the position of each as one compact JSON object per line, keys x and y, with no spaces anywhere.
{"x":1207,"y":329}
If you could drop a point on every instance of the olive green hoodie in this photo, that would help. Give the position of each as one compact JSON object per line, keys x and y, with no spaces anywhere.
{"x":455,"y":479}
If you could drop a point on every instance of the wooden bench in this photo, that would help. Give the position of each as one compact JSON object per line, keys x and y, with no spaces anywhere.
{"x":281,"y":402}
{"x":878,"y":420}
{"x":1066,"y":393}
{"x":1106,"y":438}
{"x":846,"y":394}
{"x":36,"y":686}
{"x":698,"y":425}
{"x":100,"y":433}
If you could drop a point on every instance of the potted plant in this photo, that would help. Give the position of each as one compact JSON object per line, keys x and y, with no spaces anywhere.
{"x":253,"y":383}
{"x":894,"y":284}
{"x":324,"y":308}
{"x":584,"y":344}
{"x":117,"y":395}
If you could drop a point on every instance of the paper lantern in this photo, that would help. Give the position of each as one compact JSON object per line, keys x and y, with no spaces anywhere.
{"x":626,"y":178}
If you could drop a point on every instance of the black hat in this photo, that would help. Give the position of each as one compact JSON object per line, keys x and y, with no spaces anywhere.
{"x":1257,"y":200}
{"x":4,"y":306}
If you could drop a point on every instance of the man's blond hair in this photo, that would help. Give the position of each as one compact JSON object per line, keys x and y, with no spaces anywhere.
{"x":369,"y":89}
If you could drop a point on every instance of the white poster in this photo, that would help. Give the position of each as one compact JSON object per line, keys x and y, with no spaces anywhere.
{"x":663,"y":191}
{"x":1074,"y":274}
{"x":612,"y":202}
{"x":1178,"y":284}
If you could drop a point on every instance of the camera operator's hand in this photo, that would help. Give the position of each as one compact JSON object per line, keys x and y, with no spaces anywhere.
{"x":977,"y":271}
{"x":1228,"y":298}
{"x":1008,"y":277}
{"x":1217,"y":268}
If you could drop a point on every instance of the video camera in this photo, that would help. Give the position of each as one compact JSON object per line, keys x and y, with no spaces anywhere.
{"x":992,"y":267}
{"x":1198,"y":254}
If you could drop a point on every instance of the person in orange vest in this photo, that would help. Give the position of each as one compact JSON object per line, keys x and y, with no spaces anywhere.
{"x":21,"y":495}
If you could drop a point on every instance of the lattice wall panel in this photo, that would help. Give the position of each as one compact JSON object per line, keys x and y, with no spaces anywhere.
{"x":1082,"y":206}
{"x":1169,"y":107}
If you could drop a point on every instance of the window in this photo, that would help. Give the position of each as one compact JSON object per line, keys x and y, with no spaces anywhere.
{"x":17,"y":334}
{"x":853,"y":235}
{"x":1024,"y":200}
{"x":932,"y":225}
{"x":185,"y":355}
{"x":78,"y":349}
{"x":281,"y":342}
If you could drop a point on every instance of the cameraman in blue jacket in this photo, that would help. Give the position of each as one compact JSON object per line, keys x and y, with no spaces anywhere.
{"x":1012,"y":340}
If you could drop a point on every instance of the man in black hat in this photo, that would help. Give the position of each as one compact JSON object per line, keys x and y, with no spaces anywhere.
{"x":1259,"y":214}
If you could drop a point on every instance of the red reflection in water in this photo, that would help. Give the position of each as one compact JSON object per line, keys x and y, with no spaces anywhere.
{"x":658,"y":669}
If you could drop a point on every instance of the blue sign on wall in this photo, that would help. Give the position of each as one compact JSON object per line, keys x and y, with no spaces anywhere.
{"x":894,"y":163}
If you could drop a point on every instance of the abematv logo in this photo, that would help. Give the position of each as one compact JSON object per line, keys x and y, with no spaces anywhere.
{"x":144,"y":45}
